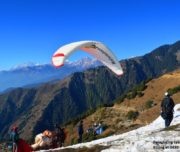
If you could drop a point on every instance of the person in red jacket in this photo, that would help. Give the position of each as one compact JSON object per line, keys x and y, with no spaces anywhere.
{"x":19,"y":145}
{"x":23,"y":146}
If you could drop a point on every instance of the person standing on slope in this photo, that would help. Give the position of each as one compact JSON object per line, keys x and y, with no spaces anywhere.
{"x":14,"y":136}
{"x":167,"y":106}
{"x":80,"y":131}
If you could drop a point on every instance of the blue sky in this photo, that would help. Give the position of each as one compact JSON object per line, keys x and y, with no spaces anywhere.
{"x":32,"y":30}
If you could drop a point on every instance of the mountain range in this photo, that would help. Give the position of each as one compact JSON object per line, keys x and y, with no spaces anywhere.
{"x":39,"y":108}
{"x":34,"y":74}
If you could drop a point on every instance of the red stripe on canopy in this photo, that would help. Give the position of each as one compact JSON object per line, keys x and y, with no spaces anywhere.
{"x":58,"y":55}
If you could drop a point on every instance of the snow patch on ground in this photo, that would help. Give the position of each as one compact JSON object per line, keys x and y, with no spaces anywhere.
{"x":150,"y":138}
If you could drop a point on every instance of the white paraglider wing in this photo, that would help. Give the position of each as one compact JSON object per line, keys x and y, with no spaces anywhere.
{"x":96,"y":49}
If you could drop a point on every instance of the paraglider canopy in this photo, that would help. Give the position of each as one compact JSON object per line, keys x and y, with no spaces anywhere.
{"x":96,"y":49}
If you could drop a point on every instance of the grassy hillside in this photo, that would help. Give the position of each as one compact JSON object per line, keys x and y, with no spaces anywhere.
{"x":131,"y":113}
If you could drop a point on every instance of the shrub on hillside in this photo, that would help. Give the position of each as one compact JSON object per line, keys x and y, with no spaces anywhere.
{"x":174,"y":90}
{"x":149,"y":104}
{"x":132,"y":115}
{"x":108,"y":105}
{"x":131,"y":95}
{"x":120,"y":98}
{"x":141,"y":87}
{"x":140,"y":94}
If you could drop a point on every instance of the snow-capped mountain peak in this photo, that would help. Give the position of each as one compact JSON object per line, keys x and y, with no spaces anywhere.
{"x":86,"y":62}
{"x":24,"y":65}
{"x":30,"y":73}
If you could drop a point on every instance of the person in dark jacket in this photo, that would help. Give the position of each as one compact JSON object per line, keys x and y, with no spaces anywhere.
{"x":14,"y":136}
{"x":80,"y":131}
{"x":167,"y":106}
